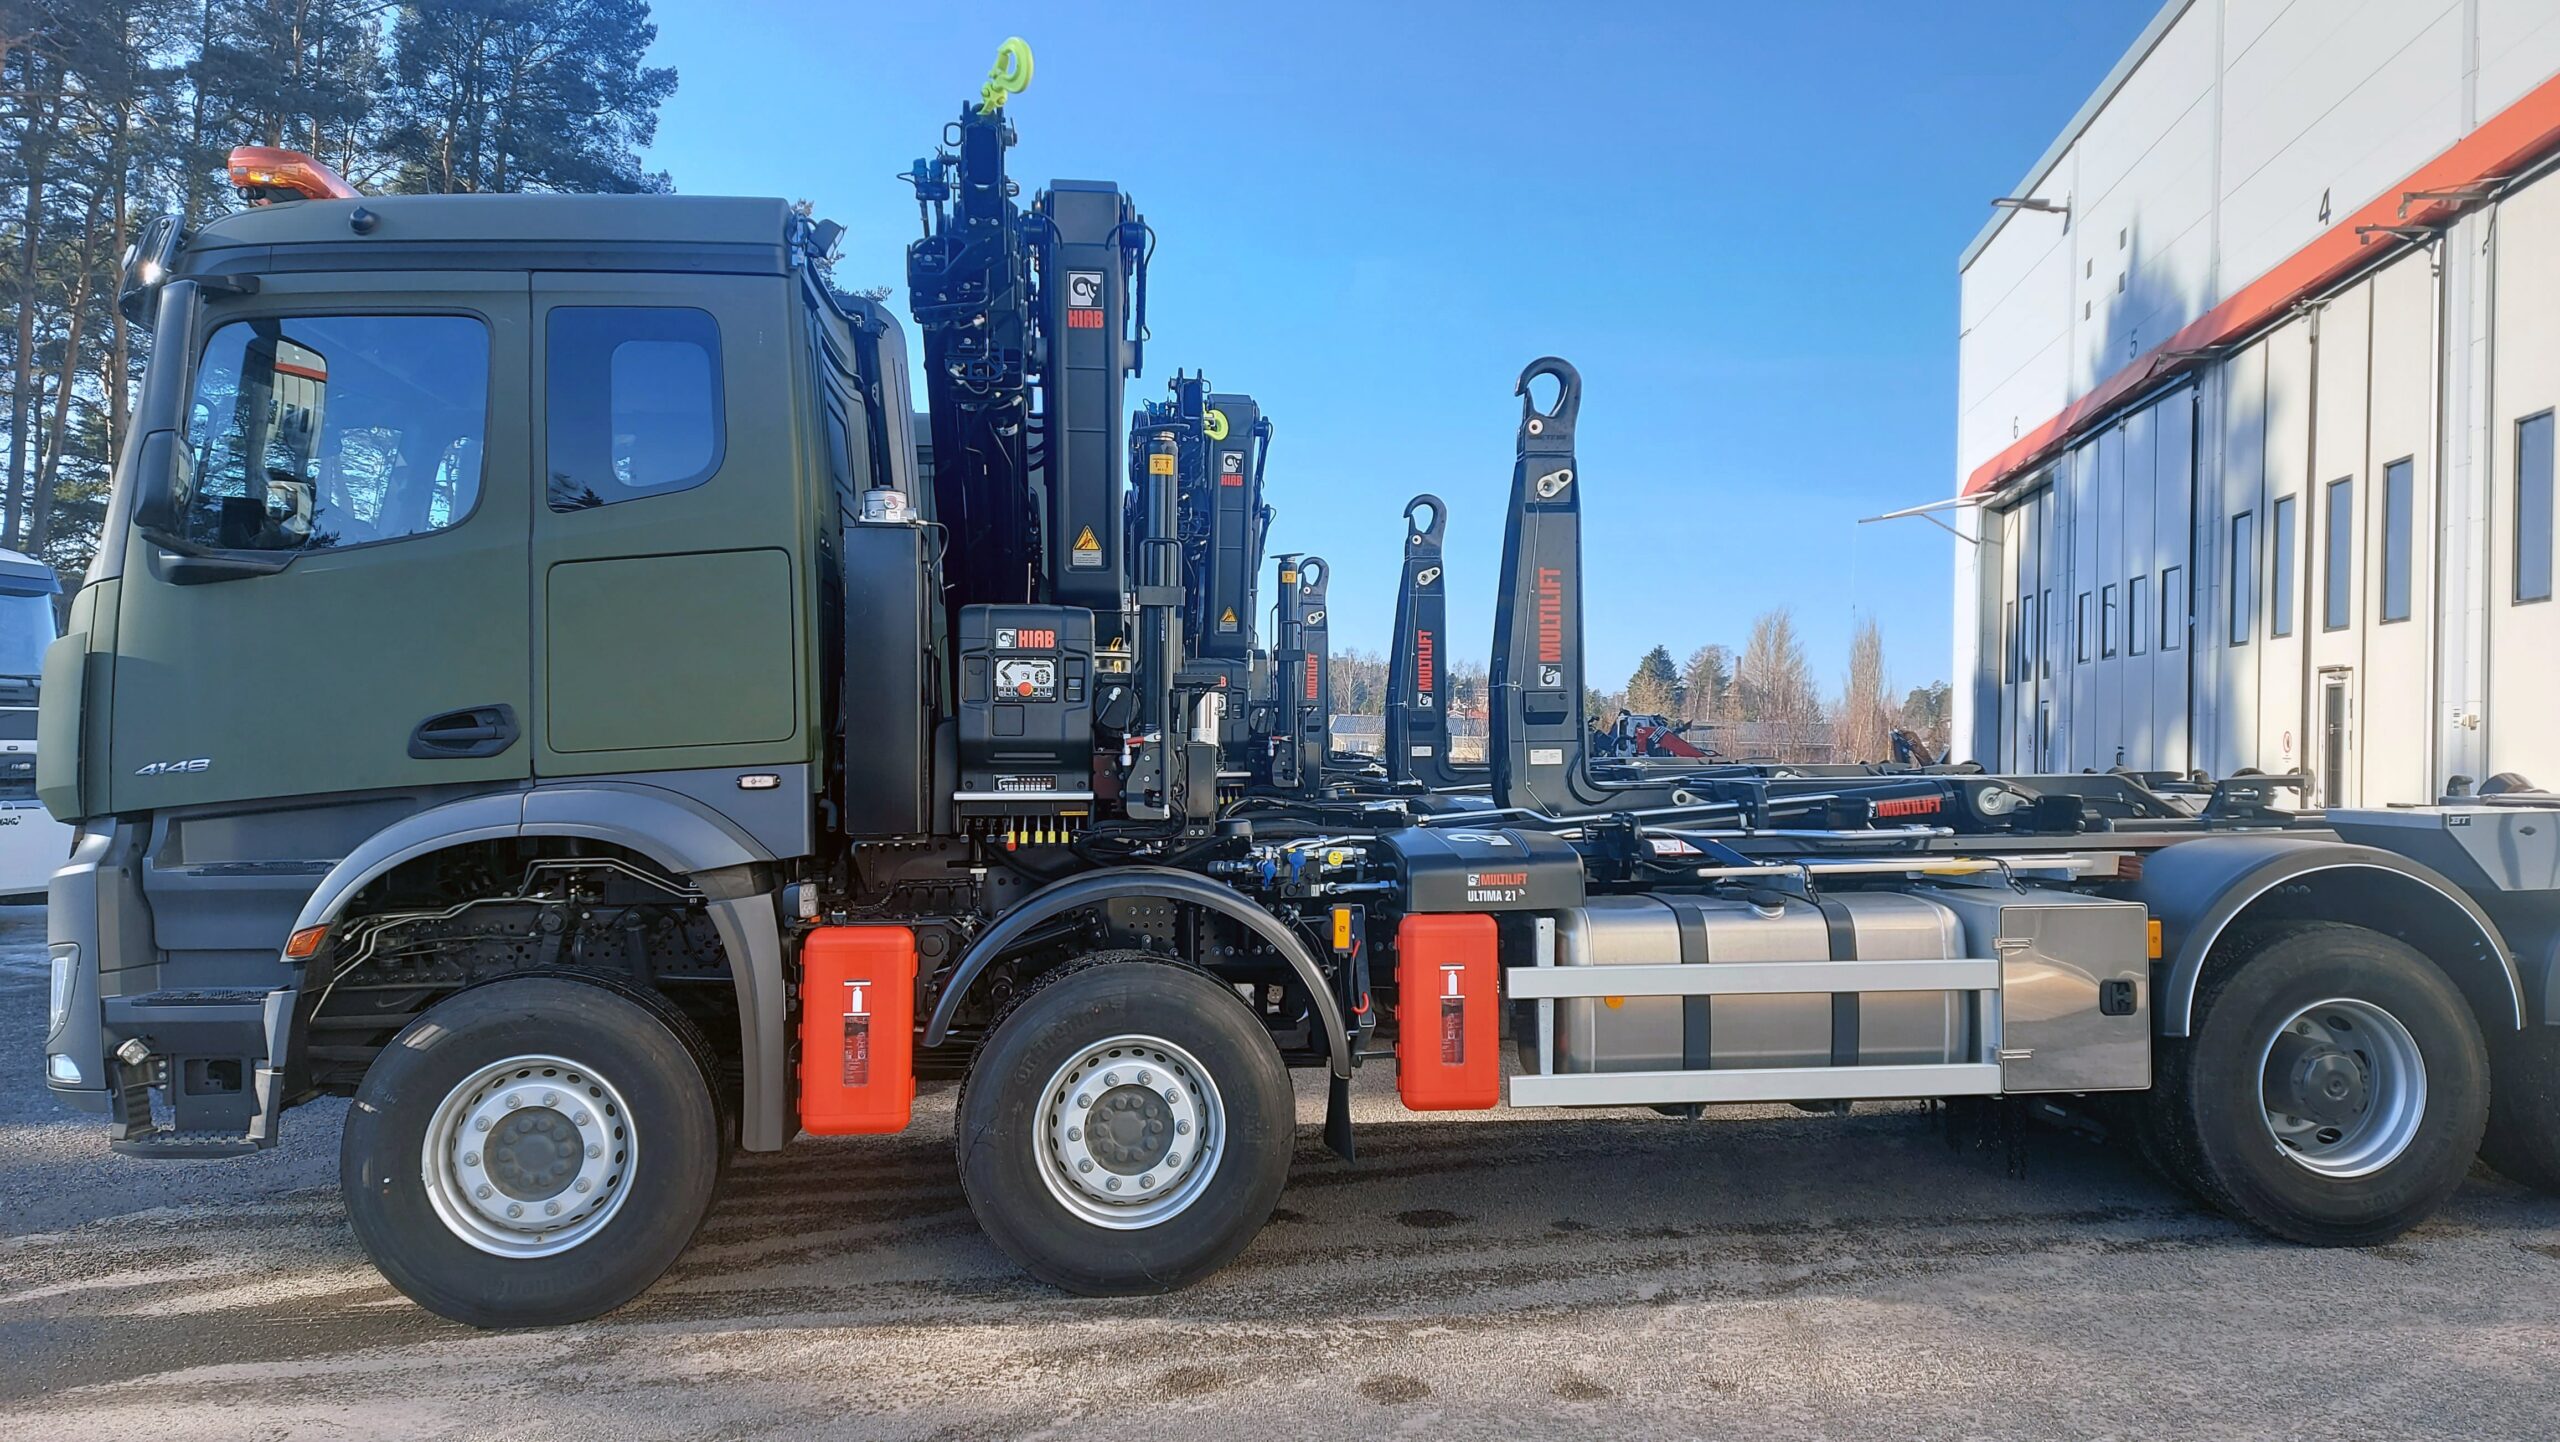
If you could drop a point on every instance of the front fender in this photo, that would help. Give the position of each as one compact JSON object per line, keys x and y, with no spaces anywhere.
{"x":1155,"y":882}
{"x":675,"y":831}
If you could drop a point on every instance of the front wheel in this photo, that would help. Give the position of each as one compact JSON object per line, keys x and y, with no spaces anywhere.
{"x":530,"y":1152}
{"x":2334,"y":1089}
{"x":1126,"y":1129}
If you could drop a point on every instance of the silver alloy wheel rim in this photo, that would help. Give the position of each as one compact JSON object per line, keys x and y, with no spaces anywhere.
{"x":1132,"y":1130}
{"x":530,"y":1156}
{"x":2343,"y":1087}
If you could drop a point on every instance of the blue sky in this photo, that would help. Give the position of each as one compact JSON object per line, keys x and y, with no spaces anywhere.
{"x":1740,"y":222}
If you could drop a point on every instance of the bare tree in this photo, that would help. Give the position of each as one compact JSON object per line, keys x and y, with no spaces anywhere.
{"x":1774,"y":688}
{"x":1862,"y":724}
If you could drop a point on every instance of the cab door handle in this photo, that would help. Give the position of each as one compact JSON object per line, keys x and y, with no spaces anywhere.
{"x":470,"y":732}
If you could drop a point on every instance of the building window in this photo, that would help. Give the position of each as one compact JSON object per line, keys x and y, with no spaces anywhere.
{"x":322,"y":432}
{"x":632,"y":404}
{"x":2533,"y":508}
{"x":2338,"y":520}
{"x":2084,"y":623}
{"x":2017,"y":640}
{"x":2137,"y":609}
{"x":2024,"y":666}
{"x":2044,"y":643}
{"x":2280,"y":554}
{"x":2398,"y":518}
{"x":2107,"y":619}
{"x":2173,"y":608}
{"x":2244,"y":576}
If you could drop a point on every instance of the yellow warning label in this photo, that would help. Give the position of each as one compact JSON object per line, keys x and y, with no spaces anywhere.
{"x":1215,"y":423}
{"x":1342,"y":928}
{"x":1086,"y":542}
{"x":1087,"y":554}
{"x":1227,"y":622}
{"x":1159,"y":465}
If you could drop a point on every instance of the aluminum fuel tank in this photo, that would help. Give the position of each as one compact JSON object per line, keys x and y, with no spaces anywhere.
{"x":1615,"y":1034}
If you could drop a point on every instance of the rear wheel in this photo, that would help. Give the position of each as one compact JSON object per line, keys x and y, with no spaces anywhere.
{"x":2333,"y":1091}
{"x":1126,"y":1129}
{"x":2523,"y":1141}
{"x":530,"y":1152}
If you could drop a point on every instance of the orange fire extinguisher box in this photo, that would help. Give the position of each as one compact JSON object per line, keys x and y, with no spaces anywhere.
{"x":857,"y":1029}
{"x":1448,"y":1037}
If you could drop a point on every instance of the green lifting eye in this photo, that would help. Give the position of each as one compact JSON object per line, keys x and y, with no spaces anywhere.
{"x":1011,"y":75}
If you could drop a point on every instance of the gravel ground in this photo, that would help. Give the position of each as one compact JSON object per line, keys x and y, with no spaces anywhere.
{"x":1755,"y":1274}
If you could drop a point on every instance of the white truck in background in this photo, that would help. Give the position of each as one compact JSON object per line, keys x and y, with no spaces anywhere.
{"x":32,"y":843}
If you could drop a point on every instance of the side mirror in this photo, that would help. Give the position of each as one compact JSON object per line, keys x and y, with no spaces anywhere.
{"x":161,"y":477}
{"x":147,"y":265}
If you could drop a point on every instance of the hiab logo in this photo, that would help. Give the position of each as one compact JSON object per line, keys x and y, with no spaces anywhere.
{"x":1551,"y":615}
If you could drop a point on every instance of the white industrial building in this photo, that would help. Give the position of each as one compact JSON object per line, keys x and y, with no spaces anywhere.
{"x":2256,"y":408}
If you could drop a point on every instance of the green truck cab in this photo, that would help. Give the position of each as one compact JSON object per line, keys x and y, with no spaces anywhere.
{"x":496,"y":527}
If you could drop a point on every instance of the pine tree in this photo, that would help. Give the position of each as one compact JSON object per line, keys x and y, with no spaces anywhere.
{"x":525,"y":95}
{"x":1654,"y":689}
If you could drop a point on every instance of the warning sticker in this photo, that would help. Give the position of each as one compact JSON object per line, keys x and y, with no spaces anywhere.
{"x":1227,"y":622}
{"x":1088,"y":551}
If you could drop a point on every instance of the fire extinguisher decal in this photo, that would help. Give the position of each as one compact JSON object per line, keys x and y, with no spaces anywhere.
{"x":1453,"y":1018}
{"x":857,"y":1034}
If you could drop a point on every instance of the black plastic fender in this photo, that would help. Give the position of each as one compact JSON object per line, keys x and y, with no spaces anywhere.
{"x":2197,"y":889}
{"x":1156,"y":882}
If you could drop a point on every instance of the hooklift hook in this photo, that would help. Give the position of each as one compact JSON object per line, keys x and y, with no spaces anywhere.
{"x":1568,"y":395}
{"x":1011,"y":75}
{"x":1414,"y":534}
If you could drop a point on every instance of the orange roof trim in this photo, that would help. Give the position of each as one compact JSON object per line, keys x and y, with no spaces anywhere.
{"x":2510,"y":141}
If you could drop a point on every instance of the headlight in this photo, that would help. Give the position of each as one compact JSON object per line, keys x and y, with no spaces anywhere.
{"x":66,"y":957}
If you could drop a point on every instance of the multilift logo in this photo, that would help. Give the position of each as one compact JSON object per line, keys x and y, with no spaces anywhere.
{"x":1550,"y":615}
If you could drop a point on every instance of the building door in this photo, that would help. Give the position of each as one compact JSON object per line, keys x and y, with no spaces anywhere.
{"x":2524,"y":619}
{"x":2157,"y":607}
{"x":2398,"y":606}
{"x":2336,"y":763}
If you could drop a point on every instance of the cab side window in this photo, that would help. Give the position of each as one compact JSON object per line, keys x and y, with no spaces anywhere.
{"x":321,"y":432}
{"x":632,"y":403}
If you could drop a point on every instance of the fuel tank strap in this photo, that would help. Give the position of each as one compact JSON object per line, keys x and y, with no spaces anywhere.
{"x":1842,"y":931}
{"x":1697,"y":1013}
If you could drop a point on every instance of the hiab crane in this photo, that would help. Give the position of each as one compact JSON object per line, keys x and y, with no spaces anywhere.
{"x":716,"y":776}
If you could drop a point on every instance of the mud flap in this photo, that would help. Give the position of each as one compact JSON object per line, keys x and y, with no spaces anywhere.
{"x":1337,"y":1119}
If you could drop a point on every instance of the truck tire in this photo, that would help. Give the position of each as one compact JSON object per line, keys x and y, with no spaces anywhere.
{"x":2333,"y":1089}
{"x":603,"y":1147}
{"x":2523,"y":1140}
{"x":1126,"y":1128}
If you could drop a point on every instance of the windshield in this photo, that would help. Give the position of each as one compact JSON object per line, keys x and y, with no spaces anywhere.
{"x":26,"y":628}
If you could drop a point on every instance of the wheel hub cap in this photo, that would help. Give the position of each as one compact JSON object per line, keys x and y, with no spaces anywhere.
{"x":529,"y":1156}
{"x":2343,"y":1086}
{"x":1132,"y":1131}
